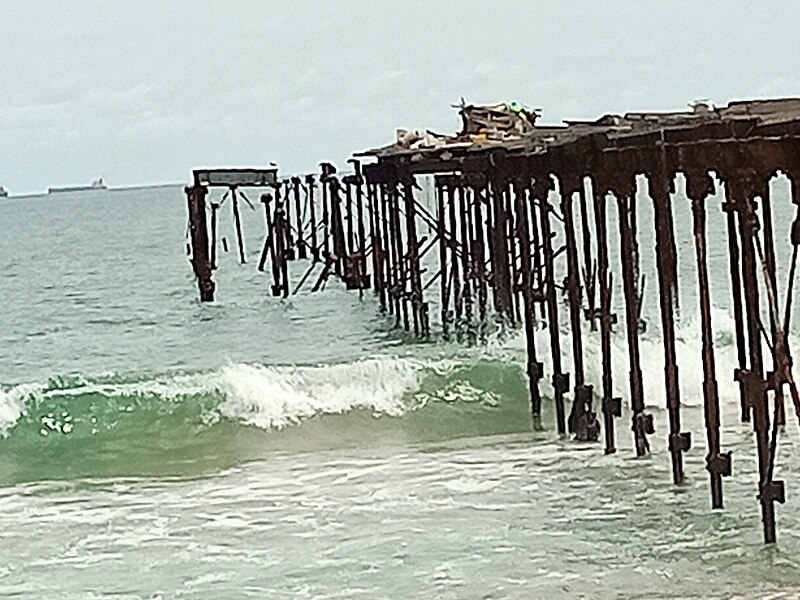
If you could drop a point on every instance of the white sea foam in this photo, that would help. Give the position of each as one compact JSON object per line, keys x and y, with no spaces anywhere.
{"x":273,"y":397}
{"x":264,"y":396}
{"x":12,"y":404}
{"x":277,"y":396}
{"x":688,"y":348}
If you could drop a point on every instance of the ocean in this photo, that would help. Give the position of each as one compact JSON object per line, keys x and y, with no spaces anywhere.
{"x":155,"y":447}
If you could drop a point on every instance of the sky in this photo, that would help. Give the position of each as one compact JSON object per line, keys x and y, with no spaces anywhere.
{"x":142,"y":92}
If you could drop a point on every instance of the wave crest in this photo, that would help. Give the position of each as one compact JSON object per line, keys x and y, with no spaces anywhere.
{"x":274,"y":397}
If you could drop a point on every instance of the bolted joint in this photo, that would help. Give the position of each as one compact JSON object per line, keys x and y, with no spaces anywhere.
{"x":776,"y":379}
{"x":560,"y":382}
{"x":719,"y":464}
{"x":648,"y":426}
{"x":207,"y":288}
{"x":583,"y":395}
{"x":582,"y":421}
{"x":586,"y":427}
{"x":612,"y":406}
{"x":642,"y":423}
{"x":680,"y":442}
{"x":753,"y":386}
{"x":535,"y":370}
{"x":772,"y":491}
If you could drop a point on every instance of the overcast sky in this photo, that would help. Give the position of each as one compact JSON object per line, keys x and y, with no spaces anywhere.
{"x":142,"y":92}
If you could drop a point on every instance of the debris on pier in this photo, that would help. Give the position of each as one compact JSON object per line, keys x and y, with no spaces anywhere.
{"x":511,"y":198}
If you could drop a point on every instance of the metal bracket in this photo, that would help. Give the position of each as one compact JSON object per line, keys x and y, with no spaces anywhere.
{"x":772,"y":491}
{"x":535,"y":370}
{"x":561,"y":382}
{"x":598,"y":314}
{"x":612,"y":406}
{"x":643,"y":422}
{"x":719,"y":464}
{"x":753,"y":386}
{"x":680,"y":442}
{"x":583,"y":394}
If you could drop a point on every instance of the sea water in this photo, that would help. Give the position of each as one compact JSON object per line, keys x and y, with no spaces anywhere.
{"x":156,"y":447}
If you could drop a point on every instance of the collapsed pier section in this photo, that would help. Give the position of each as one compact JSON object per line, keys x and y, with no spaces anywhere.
{"x":511,"y":212}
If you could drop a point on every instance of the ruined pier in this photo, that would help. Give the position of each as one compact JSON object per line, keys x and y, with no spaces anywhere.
{"x":511,"y":209}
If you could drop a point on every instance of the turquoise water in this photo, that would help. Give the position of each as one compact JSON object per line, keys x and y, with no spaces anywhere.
{"x":154,"y":447}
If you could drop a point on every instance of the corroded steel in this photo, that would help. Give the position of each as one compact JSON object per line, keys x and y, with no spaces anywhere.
{"x":501,"y":243}
{"x":718,"y":464}
{"x":641,"y":422}
{"x":582,"y":420}
{"x":560,"y":379}
{"x":534,"y":366}
{"x":201,"y":264}
{"x":679,"y":441}
{"x":611,"y":405}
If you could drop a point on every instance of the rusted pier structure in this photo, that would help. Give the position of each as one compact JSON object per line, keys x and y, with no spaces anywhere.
{"x":520,"y":220}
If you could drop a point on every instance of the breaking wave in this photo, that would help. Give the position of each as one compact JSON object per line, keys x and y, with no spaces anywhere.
{"x":187,"y":423}
{"x":182,"y":423}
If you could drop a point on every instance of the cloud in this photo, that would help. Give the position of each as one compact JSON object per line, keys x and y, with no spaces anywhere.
{"x":158,"y":87}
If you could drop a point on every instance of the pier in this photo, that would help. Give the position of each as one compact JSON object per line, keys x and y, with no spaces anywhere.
{"x":513,"y":201}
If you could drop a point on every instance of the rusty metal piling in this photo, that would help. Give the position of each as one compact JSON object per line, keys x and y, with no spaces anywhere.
{"x":699,"y":187}
{"x":534,"y":367}
{"x":501,"y":275}
{"x":376,"y":242}
{"x":611,"y":405}
{"x":560,"y":380}
{"x":582,"y":421}
{"x":754,"y":386}
{"x":302,"y":250}
{"x":641,"y":422}
{"x":464,"y":211}
{"x":734,"y":263}
{"x":415,"y":282}
{"x":678,"y":441}
{"x":479,"y":253}
{"x":444,"y":279}
{"x":455,"y":265}
{"x":196,"y":196}
{"x":237,"y":221}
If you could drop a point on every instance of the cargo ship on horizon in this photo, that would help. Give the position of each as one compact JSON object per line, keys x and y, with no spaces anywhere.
{"x":97,"y":184}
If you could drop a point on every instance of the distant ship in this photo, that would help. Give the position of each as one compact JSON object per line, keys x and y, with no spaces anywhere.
{"x":3,"y":192}
{"x":97,"y":184}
